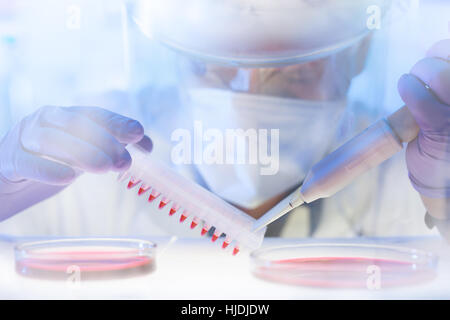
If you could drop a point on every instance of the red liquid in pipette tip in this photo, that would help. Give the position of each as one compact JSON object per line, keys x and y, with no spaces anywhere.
{"x":184,"y":216}
{"x":204,"y":229}
{"x":215,"y":236}
{"x":143,"y":189}
{"x":163,"y":203}
{"x":133,"y":182}
{"x":153,"y":195}
{"x":175,"y":207}
{"x":194,"y":222}
{"x":226,"y":243}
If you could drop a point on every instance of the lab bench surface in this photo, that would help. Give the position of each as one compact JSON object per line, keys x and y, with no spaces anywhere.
{"x":196,"y":269}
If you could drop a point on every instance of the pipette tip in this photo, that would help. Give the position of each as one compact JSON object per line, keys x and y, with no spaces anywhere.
{"x":143,"y":189}
{"x":132,"y":183}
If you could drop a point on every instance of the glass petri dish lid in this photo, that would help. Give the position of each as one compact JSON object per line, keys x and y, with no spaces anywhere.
{"x":85,"y":258}
{"x":331,"y":265}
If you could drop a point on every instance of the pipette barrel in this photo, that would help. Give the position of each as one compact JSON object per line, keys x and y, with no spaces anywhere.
{"x":365,"y":151}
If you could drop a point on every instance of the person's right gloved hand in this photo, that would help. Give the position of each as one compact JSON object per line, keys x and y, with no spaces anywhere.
{"x":52,"y":146}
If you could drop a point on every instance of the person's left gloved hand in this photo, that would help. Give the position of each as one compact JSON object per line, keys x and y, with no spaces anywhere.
{"x":426,"y":92}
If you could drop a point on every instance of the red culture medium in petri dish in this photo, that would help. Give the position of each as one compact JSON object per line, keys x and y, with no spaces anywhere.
{"x":344,"y":265}
{"x":93,"y":259}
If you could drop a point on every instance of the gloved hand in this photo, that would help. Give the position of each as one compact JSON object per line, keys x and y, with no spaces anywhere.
{"x":426,"y":92}
{"x":47,"y":150}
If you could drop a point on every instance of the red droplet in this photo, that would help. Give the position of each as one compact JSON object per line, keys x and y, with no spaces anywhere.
{"x":132,"y":183}
{"x":204,"y":231}
{"x":182,"y":217}
{"x":143,"y":189}
{"x":214,"y":237}
{"x":225,"y":244}
{"x":162,"y":204}
{"x":174,"y":209}
{"x":193,"y":224}
{"x":155,"y":194}
{"x":235,"y":251}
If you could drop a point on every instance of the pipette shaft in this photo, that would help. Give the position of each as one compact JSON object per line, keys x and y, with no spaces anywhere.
{"x":367,"y":150}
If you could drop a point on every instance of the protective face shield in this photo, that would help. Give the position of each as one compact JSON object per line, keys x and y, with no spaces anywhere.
{"x":282,"y":71}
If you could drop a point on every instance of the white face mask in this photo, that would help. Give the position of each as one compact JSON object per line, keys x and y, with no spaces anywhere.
{"x":306,"y":130}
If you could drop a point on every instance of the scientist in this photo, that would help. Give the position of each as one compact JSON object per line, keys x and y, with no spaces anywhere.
{"x":272,"y":82}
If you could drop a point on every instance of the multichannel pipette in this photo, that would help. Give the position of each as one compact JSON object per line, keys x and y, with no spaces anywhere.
{"x":374,"y":145}
{"x":183,"y":197}
{"x":367,"y":150}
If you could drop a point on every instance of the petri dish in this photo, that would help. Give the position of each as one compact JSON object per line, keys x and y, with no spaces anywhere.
{"x":332,"y":265}
{"x":85,"y":258}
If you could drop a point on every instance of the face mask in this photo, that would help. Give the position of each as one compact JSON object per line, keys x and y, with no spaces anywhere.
{"x":306,"y":130}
